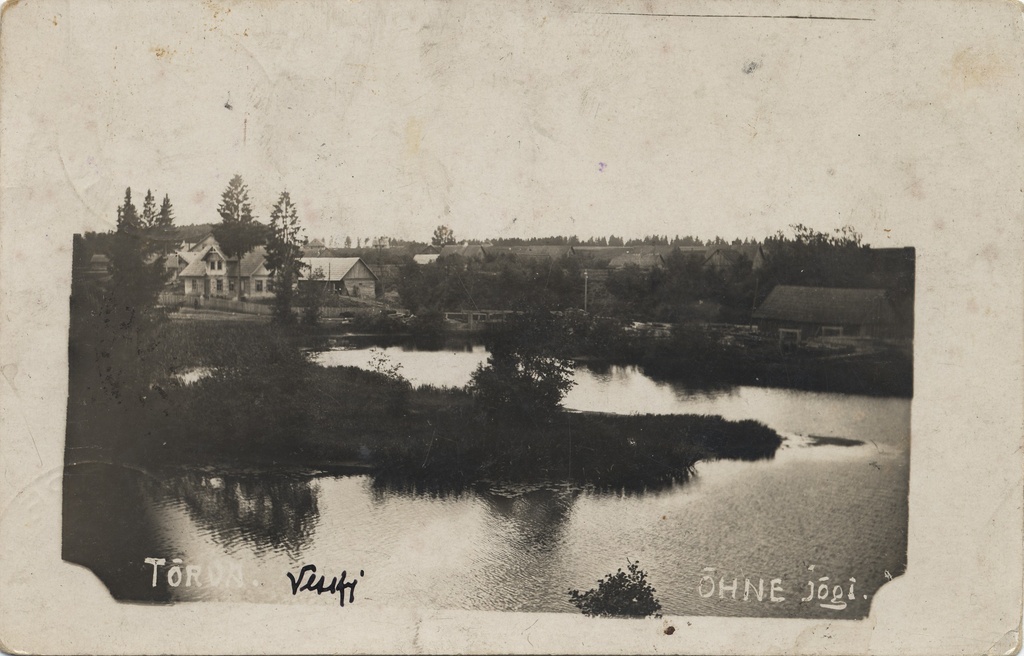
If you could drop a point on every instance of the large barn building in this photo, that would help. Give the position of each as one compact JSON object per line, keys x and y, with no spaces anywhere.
{"x":345,"y":275}
{"x":800,"y":313}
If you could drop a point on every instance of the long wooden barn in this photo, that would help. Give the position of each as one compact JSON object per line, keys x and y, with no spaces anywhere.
{"x":344,"y":275}
{"x":800,"y":313}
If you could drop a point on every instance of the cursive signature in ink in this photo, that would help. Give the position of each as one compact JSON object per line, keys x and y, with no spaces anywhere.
{"x":308,"y":581}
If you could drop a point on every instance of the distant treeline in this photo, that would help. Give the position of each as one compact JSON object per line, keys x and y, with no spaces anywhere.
{"x":681,"y":286}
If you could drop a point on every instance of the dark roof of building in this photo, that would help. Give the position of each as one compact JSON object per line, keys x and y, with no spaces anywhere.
{"x":333,"y":268}
{"x":386,"y":272}
{"x":727,"y":254}
{"x":602,"y":250}
{"x":603,"y":255}
{"x":251,"y":261}
{"x":688,"y":250}
{"x":196,"y":261}
{"x":826,"y":305}
{"x":197,"y":267}
{"x":193,"y":233}
{"x":642,"y":260}
{"x":541,"y":252}
{"x":464,"y":250}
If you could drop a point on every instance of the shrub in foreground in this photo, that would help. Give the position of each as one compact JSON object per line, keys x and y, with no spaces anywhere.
{"x":623,"y":594}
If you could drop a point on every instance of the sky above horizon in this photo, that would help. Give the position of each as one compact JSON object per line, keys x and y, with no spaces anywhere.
{"x":516,"y":120}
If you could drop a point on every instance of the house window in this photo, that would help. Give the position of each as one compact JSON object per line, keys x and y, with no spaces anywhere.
{"x":195,"y":285}
{"x":259,"y":285}
{"x":220,"y":265}
{"x":270,"y":285}
{"x":220,"y":285}
{"x":231,"y":285}
{"x":789,"y":335}
{"x":831,"y":331}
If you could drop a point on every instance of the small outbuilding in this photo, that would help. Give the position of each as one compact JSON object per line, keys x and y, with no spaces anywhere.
{"x":723,"y":260}
{"x":345,"y":275}
{"x":800,"y":313}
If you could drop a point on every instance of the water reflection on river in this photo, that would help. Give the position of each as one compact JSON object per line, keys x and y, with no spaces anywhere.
{"x":839,"y":509}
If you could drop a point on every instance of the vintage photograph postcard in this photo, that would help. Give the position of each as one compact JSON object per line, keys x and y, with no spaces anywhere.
{"x":429,"y":326}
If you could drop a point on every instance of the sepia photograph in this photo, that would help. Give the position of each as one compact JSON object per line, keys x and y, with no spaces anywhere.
{"x":708,"y":427}
{"x":571,"y":313}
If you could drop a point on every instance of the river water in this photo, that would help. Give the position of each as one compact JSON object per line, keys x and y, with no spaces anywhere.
{"x":827,"y":512}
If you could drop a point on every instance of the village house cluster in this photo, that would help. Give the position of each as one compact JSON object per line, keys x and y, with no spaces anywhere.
{"x":200,"y":270}
{"x":203,"y":270}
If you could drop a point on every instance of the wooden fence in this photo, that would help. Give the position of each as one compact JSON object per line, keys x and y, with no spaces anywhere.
{"x":222,"y":304}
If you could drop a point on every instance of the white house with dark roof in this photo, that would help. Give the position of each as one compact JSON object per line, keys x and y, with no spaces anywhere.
{"x":212,"y":273}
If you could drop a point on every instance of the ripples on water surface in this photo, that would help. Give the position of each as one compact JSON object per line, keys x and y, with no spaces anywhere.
{"x":837,"y":508}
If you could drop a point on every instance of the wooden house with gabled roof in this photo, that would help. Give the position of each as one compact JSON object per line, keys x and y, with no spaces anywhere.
{"x":723,"y":259}
{"x":212,"y":273}
{"x":345,"y":275}
{"x":800,"y":313}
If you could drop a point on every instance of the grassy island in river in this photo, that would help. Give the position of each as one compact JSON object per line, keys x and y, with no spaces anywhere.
{"x":264,"y":405}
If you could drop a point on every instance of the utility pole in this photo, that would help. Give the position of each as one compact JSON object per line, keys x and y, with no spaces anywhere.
{"x":585,"y":277}
{"x":379,"y":243}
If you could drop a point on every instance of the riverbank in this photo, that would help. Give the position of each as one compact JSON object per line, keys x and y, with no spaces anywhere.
{"x":696,"y":355}
{"x":705,"y":356}
{"x":264,"y":405}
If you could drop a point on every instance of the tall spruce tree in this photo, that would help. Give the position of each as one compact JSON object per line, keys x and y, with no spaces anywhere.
{"x":149,"y":210}
{"x":127,"y":215}
{"x":165,"y":217}
{"x":238,"y":232}
{"x":112,"y":364}
{"x":136,"y":276}
{"x":284,"y":250}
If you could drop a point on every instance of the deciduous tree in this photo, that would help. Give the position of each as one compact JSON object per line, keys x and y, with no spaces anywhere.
{"x":524,"y":378}
{"x":443,"y":235}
